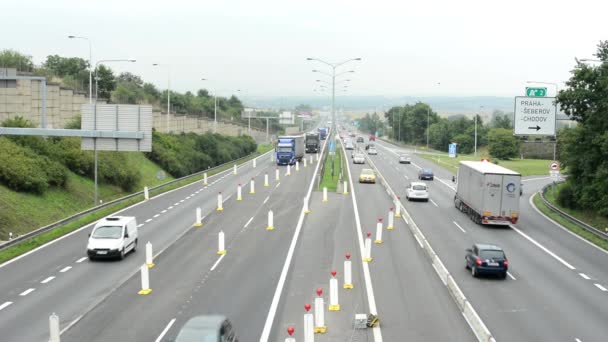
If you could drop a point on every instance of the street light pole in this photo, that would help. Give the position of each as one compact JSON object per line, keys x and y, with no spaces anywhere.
{"x":90,"y":66}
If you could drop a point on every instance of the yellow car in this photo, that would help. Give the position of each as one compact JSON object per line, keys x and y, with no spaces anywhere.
{"x":367,"y":176}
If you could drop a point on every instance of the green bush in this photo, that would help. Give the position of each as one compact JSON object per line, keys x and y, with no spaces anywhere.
{"x":114,"y":168}
{"x":566,"y":197}
{"x":23,"y":170}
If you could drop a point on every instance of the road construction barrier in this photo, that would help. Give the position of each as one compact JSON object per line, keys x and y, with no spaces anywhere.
{"x":254,"y":164}
{"x":306,"y":210}
{"x":333,"y":293}
{"x":146,"y":194}
{"x":348,"y":273}
{"x":145,"y":281}
{"x":290,"y":331}
{"x":270,"y":220}
{"x":271,"y":157}
{"x":234,"y":169}
{"x":266,"y":179}
{"x":324,"y":194}
{"x":149,"y":255}
{"x":239,"y":193}
{"x":304,"y":161}
{"x":297,"y":165}
{"x":317,"y":158}
{"x":398,"y":207}
{"x":378,"y":231}
{"x":54,"y":328}
{"x":309,"y":325}
{"x":220,"y":202}
{"x":205,"y":179}
{"x":391,"y":220}
{"x":221,"y":248}
{"x":276,"y":175}
{"x":288,"y":170}
{"x":252,"y":186}
{"x":345,"y":188}
{"x":199,"y":218}
{"x":367,"y":257}
{"x":320,"y":327}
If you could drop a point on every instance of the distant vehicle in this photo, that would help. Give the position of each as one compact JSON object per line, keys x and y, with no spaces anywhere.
{"x":207,"y":329}
{"x":289,"y":149}
{"x":417,"y":191}
{"x":312,"y":142}
{"x":425,"y":174}
{"x":488,"y":193}
{"x":359,"y":158}
{"x":372,"y":138}
{"x":486,"y":259}
{"x":349,"y":145}
{"x":323,"y":132}
{"x":360,"y":140}
{"x":372,"y":150}
{"x":113,"y":237}
{"x":405,"y":159}
{"x":351,"y":134}
{"x":367,"y":176}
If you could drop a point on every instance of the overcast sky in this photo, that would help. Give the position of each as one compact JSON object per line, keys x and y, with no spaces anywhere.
{"x":408,"y":47}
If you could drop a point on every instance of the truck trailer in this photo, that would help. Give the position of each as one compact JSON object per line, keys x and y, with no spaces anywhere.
{"x":312,"y":142}
{"x":488,"y":193}
{"x":323,"y":132}
{"x":289,"y":149}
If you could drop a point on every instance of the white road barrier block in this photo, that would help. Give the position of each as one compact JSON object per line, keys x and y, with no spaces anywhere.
{"x":220,"y":202}
{"x":345,"y":188}
{"x":320,"y":327}
{"x":311,"y":161}
{"x":306,"y":210}
{"x":317,"y":156}
{"x":149,"y":255}
{"x":276,"y":175}
{"x":324,"y":194}
{"x":297,"y":165}
{"x":221,"y":248}
{"x":397,"y":208}
{"x":254,"y":163}
{"x":146,"y":193}
{"x":290,"y":339}
{"x":252,"y":186}
{"x":272,"y":157}
{"x":205,"y":179}
{"x":348,"y":275}
{"x":333,"y":295}
{"x":234,"y":169}
{"x":378,"y":232}
{"x":266,"y":179}
{"x":368,"y":250}
{"x":391,"y":220}
{"x":270,"y":220}
{"x":288,"y":170}
{"x":199,"y":218}
{"x":304,"y":162}
{"x":54,"y":328}
{"x":309,"y":328}
{"x":239,"y":193}
{"x":145,"y":281}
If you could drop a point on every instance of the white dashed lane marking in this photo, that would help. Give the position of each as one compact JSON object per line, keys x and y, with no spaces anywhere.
{"x":5,"y":305}
{"x":584,"y":276}
{"x":26,"y":292}
{"x":47,"y":280}
{"x":65,"y":269}
{"x":83,"y":258}
{"x":148,"y":220}
{"x":600,"y":287}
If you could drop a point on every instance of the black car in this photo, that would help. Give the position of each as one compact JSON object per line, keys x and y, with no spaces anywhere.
{"x":425,"y":174}
{"x":486,"y":259}
{"x":360,"y":140}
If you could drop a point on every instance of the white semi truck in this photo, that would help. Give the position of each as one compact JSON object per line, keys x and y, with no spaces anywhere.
{"x":488,"y":193}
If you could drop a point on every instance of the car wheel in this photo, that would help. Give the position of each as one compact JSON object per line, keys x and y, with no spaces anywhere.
{"x":135,"y":246}
{"x":122,"y":254}
{"x":466,"y":264}
{"x":91,"y":258}
{"x":474,"y":272}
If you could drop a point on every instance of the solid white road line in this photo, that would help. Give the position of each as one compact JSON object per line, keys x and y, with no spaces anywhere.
{"x":435,"y":204}
{"x":6,"y":304}
{"x":148,"y":220}
{"x":81,"y":260}
{"x":155,"y":216}
{"x":600,"y":287}
{"x":248,"y":222}
{"x":65,"y":269}
{"x":47,"y":280}
{"x":459,"y":227}
{"x":162,"y":334}
{"x":266,"y":200}
{"x":584,"y":276}
{"x":419,"y":242}
{"x":218,"y":261}
{"x":555,"y":256}
{"x":26,"y":292}
{"x":511,"y":276}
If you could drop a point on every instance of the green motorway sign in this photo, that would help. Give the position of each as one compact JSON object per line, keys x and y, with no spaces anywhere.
{"x":536,"y":92}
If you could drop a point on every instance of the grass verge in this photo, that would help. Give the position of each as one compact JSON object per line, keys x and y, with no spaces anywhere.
{"x":37,"y":241}
{"x":328,"y":180}
{"x":527,"y":167}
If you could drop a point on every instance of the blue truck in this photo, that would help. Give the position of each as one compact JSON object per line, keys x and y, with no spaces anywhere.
{"x":289,"y":149}
{"x":323,"y":132}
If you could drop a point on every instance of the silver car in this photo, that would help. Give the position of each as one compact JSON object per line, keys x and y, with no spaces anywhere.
{"x":372,"y":150}
{"x":405,"y":159}
{"x":359,"y":158}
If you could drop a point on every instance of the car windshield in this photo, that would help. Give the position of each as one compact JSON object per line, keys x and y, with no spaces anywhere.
{"x":419,"y":187}
{"x":491,"y":254}
{"x":367,"y":172}
{"x":107,"y":232}
{"x":284,"y":149}
{"x":428,"y":171}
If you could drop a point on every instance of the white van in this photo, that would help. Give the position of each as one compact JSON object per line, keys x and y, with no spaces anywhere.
{"x":113,"y":237}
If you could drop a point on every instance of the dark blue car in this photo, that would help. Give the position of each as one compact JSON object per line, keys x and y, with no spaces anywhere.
{"x":487,"y":259}
{"x":425,"y":174}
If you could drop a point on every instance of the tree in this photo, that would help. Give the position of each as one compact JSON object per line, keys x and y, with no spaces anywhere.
{"x":62,"y":66}
{"x":202,"y":93}
{"x":440,"y":135}
{"x":501,"y":120}
{"x":584,"y":149}
{"x":127,"y":77}
{"x":106,"y":82}
{"x":465,"y":143}
{"x":13,"y":59}
{"x":502,"y":144}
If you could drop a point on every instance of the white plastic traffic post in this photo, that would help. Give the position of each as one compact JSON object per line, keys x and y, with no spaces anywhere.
{"x":367,"y":256}
{"x":54,"y":328}
{"x":220,"y":202}
{"x":276,"y":175}
{"x":398,"y":207}
{"x":290,"y":331}
{"x":221,"y":249}
{"x":270,"y":220}
{"x":234,"y":169}
{"x":205,"y":178}
{"x":348,"y":273}
{"x":252,"y":187}
{"x":320,"y":327}
{"x":317,"y":156}
{"x":345,"y":188}
{"x":324,"y":194}
{"x":311,"y":161}
{"x":297,"y":165}
{"x":149,"y":255}
{"x":379,"y":231}
{"x":288,"y":170}
{"x":239,"y":193}
{"x":272,"y":157}
{"x":145,"y":281}
{"x":254,"y":164}
{"x":146,"y":194}
{"x":199,"y":218}
{"x":309,"y":325}
{"x":304,"y":161}
{"x":306,"y":210}
{"x":266,"y":179}
{"x":333,"y":292}
{"x":391,"y":220}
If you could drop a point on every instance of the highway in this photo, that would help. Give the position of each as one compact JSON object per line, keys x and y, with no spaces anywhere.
{"x":551,"y":293}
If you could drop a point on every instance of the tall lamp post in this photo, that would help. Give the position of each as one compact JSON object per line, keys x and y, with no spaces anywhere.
{"x":90,"y":66}
{"x":215,"y":110}
{"x":333,"y":76}
{"x":95,"y":121}
{"x":168,"y":90}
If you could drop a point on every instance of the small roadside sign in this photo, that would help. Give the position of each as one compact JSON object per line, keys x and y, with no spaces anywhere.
{"x":452,"y":150}
{"x":554,"y":166}
{"x":536,"y":92}
{"x":555,"y":175}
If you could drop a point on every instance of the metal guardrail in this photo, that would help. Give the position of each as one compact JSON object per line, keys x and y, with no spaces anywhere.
{"x":569,"y":217}
{"x":74,"y":217}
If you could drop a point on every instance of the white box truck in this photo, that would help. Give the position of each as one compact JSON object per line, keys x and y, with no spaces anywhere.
{"x":488,"y":193}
